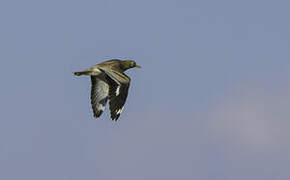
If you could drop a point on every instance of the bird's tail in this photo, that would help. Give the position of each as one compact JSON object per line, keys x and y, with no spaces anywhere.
{"x":82,"y":73}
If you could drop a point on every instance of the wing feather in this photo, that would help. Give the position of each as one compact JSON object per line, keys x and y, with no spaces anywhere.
{"x":99,"y":95}
{"x":117,"y":94}
{"x":118,"y":90}
{"x":117,"y":76}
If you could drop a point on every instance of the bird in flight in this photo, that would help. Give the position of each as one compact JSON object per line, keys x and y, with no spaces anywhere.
{"x":109,"y":82}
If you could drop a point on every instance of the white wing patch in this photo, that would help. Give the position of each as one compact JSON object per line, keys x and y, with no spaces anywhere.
{"x":120,"y":110}
{"x":118,"y":90}
{"x":102,"y":107}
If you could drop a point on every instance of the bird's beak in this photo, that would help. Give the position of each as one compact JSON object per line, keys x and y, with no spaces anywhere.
{"x":137,"y":66}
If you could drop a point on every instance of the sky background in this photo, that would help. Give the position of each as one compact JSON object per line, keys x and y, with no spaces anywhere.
{"x":211,"y":101}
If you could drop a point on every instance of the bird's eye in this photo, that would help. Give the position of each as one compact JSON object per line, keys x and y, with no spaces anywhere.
{"x":132,"y":64}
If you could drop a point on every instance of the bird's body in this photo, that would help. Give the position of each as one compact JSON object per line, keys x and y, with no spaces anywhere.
{"x":109,"y":82}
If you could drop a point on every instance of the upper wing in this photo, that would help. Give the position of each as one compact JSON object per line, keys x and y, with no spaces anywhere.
{"x":99,"y":95}
{"x":115,"y":75}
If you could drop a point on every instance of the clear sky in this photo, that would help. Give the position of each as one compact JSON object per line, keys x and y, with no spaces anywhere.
{"x":211,"y":101}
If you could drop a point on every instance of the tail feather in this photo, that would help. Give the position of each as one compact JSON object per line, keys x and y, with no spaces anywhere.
{"x":81,"y":73}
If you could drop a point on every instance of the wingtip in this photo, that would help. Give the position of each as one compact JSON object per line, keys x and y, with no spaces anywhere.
{"x":98,"y":114}
{"x":115,"y":118}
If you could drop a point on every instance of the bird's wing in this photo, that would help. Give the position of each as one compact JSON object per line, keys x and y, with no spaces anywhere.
{"x":115,"y":75}
{"x":99,"y":96}
{"x":118,"y":91}
{"x":117,"y":95}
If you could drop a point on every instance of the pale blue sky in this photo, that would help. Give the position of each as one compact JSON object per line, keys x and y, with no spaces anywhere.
{"x":211,"y":101}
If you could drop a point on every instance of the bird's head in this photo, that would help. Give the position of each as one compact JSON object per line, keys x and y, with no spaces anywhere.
{"x":127,"y":64}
